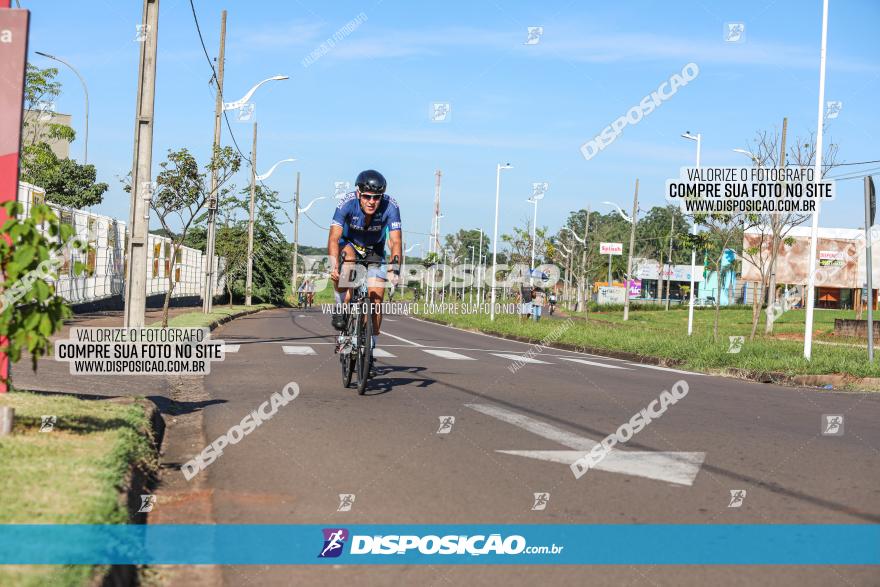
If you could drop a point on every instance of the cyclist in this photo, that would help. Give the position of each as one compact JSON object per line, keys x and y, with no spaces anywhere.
{"x":358,"y":230}
{"x":552,"y":299}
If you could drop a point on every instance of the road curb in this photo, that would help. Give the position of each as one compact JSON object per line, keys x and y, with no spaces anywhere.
{"x":137,"y":481}
{"x":839,"y":381}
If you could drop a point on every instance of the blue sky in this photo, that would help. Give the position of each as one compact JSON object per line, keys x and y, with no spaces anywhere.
{"x":366,"y":102}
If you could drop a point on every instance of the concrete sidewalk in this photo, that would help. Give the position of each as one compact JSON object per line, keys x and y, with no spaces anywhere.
{"x":52,"y":375}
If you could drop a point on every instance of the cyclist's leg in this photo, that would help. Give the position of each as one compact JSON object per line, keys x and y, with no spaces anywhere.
{"x":376,"y":285}
{"x":343,"y":292}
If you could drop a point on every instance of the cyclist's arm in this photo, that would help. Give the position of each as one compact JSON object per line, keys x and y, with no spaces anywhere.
{"x":333,"y":247}
{"x":396,"y":245}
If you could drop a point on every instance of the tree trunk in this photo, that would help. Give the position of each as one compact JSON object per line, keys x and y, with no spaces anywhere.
{"x":718,"y":297}
{"x":756,"y":308}
{"x":771,"y":288}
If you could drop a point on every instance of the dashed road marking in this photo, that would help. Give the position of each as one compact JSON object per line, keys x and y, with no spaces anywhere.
{"x":298,"y":350}
{"x":521,"y":359}
{"x":594,"y":363}
{"x":448,"y":355}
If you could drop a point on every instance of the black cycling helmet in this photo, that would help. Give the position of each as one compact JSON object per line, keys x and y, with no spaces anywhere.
{"x":371,"y":181}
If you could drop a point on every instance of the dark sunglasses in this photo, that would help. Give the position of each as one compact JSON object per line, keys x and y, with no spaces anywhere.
{"x":372,"y":196}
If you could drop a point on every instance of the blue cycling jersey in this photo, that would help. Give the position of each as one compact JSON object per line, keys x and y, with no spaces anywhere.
{"x":352,"y":219}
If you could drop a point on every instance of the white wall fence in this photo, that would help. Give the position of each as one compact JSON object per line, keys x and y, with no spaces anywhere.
{"x":105,"y":259}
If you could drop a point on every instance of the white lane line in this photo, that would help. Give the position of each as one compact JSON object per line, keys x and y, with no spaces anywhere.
{"x":521,"y":359}
{"x":298,"y":350}
{"x":680,"y":468}
{"x":594,"y":363}
{"x":448,"y":355}
{"x":389,"y":319}
{"x":231,"y":348}
{"x":400,"y":338}
{"x":382,"y":354}
{"x":658,"y":368}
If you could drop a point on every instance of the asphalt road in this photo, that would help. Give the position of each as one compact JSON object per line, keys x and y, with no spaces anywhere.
{"x":384,"y":448}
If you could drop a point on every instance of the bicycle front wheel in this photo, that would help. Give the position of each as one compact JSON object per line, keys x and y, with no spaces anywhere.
{"x":365,"y":348}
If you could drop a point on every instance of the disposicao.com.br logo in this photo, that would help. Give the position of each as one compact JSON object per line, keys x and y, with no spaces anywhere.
{"x":476,"y":545}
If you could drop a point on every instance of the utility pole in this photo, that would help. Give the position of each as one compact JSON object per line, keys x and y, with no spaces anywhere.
{"x":669,"y":277}
{"x":775,"y":229}
{"x":629,"y":260}
{"x":249,"y":281}
{"x":295,"y":275}
{"x":435,"y":236}
{"x":141,"y":186}
{"x":583,"y":279}
{"x":212,"y":201}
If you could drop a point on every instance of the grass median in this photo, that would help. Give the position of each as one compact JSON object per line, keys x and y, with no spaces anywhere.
{"x":664,"y":335}
{"x":198,"y":319}
{"x":71,"y":473}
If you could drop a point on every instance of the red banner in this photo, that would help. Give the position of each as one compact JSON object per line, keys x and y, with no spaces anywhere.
{"x":13,"y":57}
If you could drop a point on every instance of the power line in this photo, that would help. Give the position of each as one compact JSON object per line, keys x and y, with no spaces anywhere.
{"x":219,"y":89}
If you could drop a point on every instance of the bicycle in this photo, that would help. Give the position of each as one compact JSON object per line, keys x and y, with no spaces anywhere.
{"x":355,"y":343}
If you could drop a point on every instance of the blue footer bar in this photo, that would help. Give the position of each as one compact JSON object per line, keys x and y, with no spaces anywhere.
{"x":765,"y":544}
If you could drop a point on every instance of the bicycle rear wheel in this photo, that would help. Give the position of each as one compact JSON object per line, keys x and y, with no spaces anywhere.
{"x":365,"y":347}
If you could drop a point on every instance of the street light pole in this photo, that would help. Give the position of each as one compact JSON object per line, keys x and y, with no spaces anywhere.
{"x":471,"y":247}
{"x":86,"y":91}
{"x":814,"y":229}
{"x":248,"y":288}
{"x":295,"y":273}
{"x":498,"y":169}
{"x":480,"y":269}
{"x":699,"y":139}
{"x":219,"y":108}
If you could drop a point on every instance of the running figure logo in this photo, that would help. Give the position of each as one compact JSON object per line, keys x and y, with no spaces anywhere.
{"x":832,"y":424}
{"x":334,"y":540}
{"x":346,"y":500}
{"x":446,"y":423}
{"x":736,"y":344}
{"x":541,"y":501}
{"x":534,"y":35}
{"x":737,"y":496}
{"x":147,"y":503}
{"x":734,"y":32}
{"x":47,"y":423}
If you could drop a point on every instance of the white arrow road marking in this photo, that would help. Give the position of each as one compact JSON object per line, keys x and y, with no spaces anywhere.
{"x":680,"y":468}
{"x":521,"y":359}
{"x":382,"y":354}
{"x":231,"y":348}
{"x":449,"y":355}
{"x":298,"y":350}
{"x":594,"y":363}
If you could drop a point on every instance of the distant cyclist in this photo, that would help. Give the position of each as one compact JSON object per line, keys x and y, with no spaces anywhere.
{"x":552,"y":299}
{"x":358,"y":229}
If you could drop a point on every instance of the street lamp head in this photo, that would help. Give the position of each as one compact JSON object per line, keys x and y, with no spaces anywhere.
{"x":45,"y":54}
{"x":689,"y":136}
{"x":505,"y":166}
{"x":279,"y":77}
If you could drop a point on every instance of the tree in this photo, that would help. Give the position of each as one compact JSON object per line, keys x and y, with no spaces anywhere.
{"x":182,"y":191}
{"x":272,"y":252}
{"x":67,"y":183}
{"x":30,"y":311}
{"x":769,"y":235}
{"x":722,"y":231}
